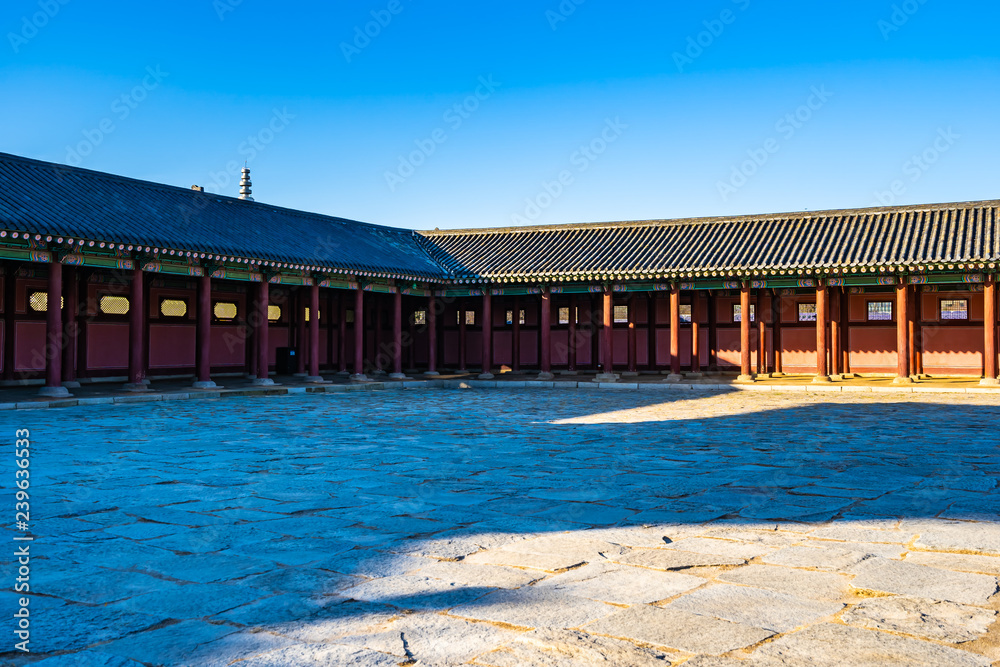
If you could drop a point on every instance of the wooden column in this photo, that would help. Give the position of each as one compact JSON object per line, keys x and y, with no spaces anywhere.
{"x":918,"y":341}
{"x":331,"y":307}
{"x":342,"y":301}
{"x":607,"y":332}
{"x":263,"y":334}
{"x":378,"y":325}
{"x":397,"y":336}
{"x":776,"y":332}
{"x":822,"y":311}
{"x":515,"y":339}
{"x":545,"y":324}
{"x":53,"y":332}
{"x":571,"y":339}
{"x":71,"y":325}
{"x":9,"y":317}
{"x":461,"y":337}
{"x":651,"y":330}
{"x":203,"y":352}
{"x":835,"y":338}
{"x":902,"y":335}
{"x":314,"y":375}
{"x":745,"y":369}
{"x":302,"y":334}
{"x":845,"y":333}
{"x":911,"y":330}
{"x":695,"y":335}
{"x":359,"y":333}
{"x":432,"y":336}
{"x":990,"y":332}
{"x":633,"y":368}
{"x":761,"y":317}
{"x":487,"y":335}
{"x":675,"y":334}
{"x":713,"y":333}
{"x":136,"y":331}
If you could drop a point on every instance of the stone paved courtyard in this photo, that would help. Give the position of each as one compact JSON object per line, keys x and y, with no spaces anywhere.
{"x":514,"y":527}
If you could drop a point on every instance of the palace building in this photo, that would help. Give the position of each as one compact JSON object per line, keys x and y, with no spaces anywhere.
{"x":155,"y":281}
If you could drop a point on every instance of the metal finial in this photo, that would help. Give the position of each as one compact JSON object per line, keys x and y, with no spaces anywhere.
{"x":245,"y":184}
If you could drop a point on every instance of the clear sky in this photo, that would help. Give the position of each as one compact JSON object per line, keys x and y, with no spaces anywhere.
{"x":445,"y":114}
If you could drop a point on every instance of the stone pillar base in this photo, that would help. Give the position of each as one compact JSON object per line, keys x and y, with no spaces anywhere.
{"x":263,"y":382}
{"x":902,"y":380}
{"x":485,"y":376}
{"x":606,"y":377}
{"x":989,"y":382}
{"x":71,"y":384}
{"x":745,"y":378}
{"x":315,"y":379}
{"x":674,"y":377}
{"x":777,"y":375}
{"x":822,"y":379}
{"x":204,"y":385}
{"x":398,"y":376}
{"x":54,"y":392}
{"x":763,"y":376}
{"x":546,"y":377}
{"x":359,"y":377}
{"x":921,"y":376}
{"x":432,"y":374}
{"x":135,"y":387}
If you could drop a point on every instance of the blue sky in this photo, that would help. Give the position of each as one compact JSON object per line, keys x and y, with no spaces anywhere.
{"x":491,"y":114}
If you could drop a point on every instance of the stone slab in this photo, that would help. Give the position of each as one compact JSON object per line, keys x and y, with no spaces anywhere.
{"x":671,"y":559}
{"x":932,"y":619}
{"x":679,"y":630}
{"x":551,"y":647}
{"x":755,"y":607}
{"x":981,"y":538}
{"x":957,"y":562}
{"x":533,"y":608}
{"x":620,"y":584}
{"x":801,"y":583}
{"x":903,"y":578}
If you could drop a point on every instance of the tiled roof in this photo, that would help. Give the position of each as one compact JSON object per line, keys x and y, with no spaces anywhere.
{"x":50,"y":199}
{"x":900,"y":236}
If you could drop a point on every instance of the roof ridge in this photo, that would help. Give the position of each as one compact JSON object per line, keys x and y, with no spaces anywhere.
{"x":669,"y":222}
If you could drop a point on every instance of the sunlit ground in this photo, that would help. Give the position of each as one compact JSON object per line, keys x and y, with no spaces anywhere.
{"x":516,"y":527}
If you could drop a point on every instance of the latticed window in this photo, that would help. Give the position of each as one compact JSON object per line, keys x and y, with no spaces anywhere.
{"x":738,"y":312}
{"x":318,"y":316}
{"x":470,"y":317}
{"x":954,"y":309}
{"x":225,"y":311}
{"x":879,"y":311}
{"x":113,"y":305}
{"x":273,"y":313}
{"x":39,"y":301}
{"x":173,"y":308}
{"x":510,"y":317}
{"x":564,"y":316}
{"x":621,"y":314}
{"x":807,"y":312}
{"x":420,"y":317}
{"x":686,"y":311}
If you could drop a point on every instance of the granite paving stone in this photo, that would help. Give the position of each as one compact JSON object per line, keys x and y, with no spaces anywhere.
{"x":523,"y":526}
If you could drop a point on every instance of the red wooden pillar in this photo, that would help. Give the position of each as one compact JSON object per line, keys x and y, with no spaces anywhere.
{"x":918,"y":341}
{"x":745,"y":370}
{"x":607,"y":340}
{"x":342,"y":335}
{"x":761,"y":317}
{"x":675,"y":334}
{"x":71,"y":326}
{"x":377,"y":325}
{"x":53,"y":332}
{"x":902,"y":335}
{"x":314,"y":375}
{"x":571,"y":338}
{"x":461,"y":337}
{"x":545,"y":353}
{"x":990,"y":331}
{"x":432,"y":336}
{"x":633,"y":368}
{"x":515,"y":339}
{"x":136,"y":331}
{"x":263,"y":342}
{"x":302,"y":333}
{"x":359,"y":333}
{"x":835,"y":338}
{"x":776,"y":332}
{"x":695,"y":335}
{"x":713,"y":333}
{"x":822,"y":313}
{"x":203,"y":362}
{"x":845,"y":333}
{"x":487,"y":335}
{"x":912,"y":330}
{"x":397,"y":336}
